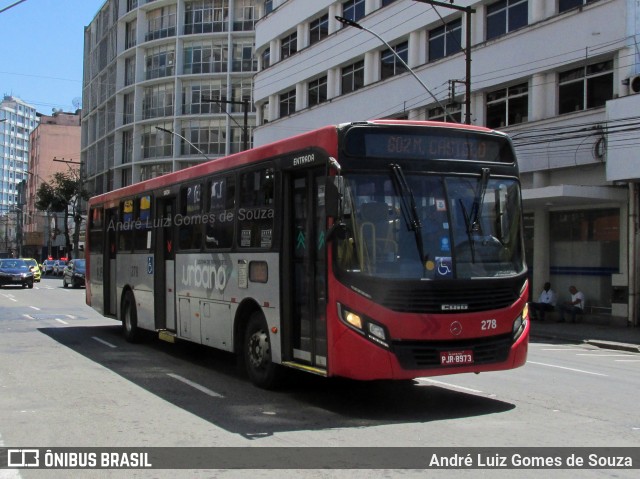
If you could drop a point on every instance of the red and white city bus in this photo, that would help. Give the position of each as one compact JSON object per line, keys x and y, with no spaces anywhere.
{"x":385,"y":249}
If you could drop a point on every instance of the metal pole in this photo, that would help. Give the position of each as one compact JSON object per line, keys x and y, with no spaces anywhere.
{"x":467,"y":81}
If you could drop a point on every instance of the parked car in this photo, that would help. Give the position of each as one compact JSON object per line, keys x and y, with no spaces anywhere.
{"x":74,"y":273}
{"x":35,"y":268}
{"x":58,"y":267}
{"x":47,"y":266}
{"x":15,"y":272}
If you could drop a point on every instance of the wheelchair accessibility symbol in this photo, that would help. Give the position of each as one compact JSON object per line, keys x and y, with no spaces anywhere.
{"x":444,"y":266}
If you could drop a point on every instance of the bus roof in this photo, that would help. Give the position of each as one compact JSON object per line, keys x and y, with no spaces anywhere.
{"x":325,"y":137}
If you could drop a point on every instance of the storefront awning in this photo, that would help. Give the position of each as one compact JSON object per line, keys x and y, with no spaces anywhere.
{"x":573,"y":195}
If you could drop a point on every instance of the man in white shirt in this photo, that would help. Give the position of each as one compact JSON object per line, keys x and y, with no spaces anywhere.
{"x":545,"y":304}
{"x":573,"y":307}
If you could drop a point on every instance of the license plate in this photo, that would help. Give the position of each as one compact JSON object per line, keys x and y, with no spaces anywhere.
{"x":456,"y":358}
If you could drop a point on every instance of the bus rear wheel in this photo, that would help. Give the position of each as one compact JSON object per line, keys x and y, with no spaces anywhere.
{"x":257,"y":354}
{"x":130,"y":318}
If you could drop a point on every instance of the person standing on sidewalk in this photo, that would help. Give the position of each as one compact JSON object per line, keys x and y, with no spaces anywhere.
{"x":546,"y":303}
{"x":573,"y":307}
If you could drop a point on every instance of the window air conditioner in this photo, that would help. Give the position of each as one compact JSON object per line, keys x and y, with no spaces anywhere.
{"x":634,"y":84}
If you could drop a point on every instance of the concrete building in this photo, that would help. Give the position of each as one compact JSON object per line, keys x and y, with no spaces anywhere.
{"x":560,"y":76}
{"x":167,"y":84}
{"x":55,"y":147}
{"x":17,"y":119}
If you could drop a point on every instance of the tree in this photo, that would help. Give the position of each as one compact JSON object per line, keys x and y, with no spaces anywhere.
{"x":65,"y":194}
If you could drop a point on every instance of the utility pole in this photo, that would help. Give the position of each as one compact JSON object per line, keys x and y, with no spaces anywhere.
{"x":467,"y":50}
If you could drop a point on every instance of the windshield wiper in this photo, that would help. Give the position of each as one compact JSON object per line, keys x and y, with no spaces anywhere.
{"x":472,"y":221}
{"x":408,"y":207}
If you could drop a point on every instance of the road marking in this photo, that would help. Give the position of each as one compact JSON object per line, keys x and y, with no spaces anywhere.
{"x":627,"y":360}
{"x":28,"y":316}
{"x":598,"y":355}
{"x":104,"y":342}
{"x":440,"y":383}
{"x":195,"y":385}
{"x":568,"y":369}
{"x":60,"y":321}
{"x":35,"y":307}
{"x":559,"y":349}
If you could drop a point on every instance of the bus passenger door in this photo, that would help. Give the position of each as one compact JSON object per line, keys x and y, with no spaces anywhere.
{"x":109,"y":266}
{"x":306,"y":249}
{"x":164,"y":268}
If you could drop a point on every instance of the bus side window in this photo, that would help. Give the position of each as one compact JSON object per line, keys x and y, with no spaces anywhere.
{"x":222,"y":211}
{"x":125,"y":234}
{"x":190,"y":220}
{"x":142,"y":225}
{"x":96,"y":234}
{"x":256,"y":212}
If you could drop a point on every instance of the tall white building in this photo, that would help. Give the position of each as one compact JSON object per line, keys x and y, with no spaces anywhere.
{"x":560,"y":76}
{"x":17,"y":119}
{"x":166,"y":83}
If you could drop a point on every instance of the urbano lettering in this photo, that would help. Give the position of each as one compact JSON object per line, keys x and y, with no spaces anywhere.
{"x":205,"y":275}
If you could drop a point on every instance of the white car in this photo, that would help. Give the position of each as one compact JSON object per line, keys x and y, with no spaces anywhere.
{"x":58,"y":267}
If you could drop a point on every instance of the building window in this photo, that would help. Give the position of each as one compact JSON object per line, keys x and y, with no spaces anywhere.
{"x":319,"y":29}
{"x":127,"y":146}
{"x":438,"y":114}
{"x":287,"y":103}
{"x":353,"y":9}
{"x":196,"y":96}
{"x":266,"y":58}
{"x":586,"y":87}
{"x":243,"y":57}
{"x":353,"y":77}
{"x":268,"y":6}
{"x":445,"y":40}
{"x":289,"y":45}
{"x":508,"y":106}
{"x":128,"y":109}
{"x":130,"y":34}
{"x":208,"y":135}
{"x":506,"y":16}
{"x":161,"y":23}
{"x":244,"y":19}
{"x":206,"y":57}
{"x":160,"y":62}
{"x":206,"y":16}
{"x":390,"y":65}
{"x":156,"y":143}
{"x":387,"y":2}
{"x":317,"y":91}
{"x":564,"y":5}
{"x":158,"y":101}
{"x":129,"y":71}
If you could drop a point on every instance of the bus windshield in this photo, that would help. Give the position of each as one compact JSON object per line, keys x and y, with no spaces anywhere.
{"x":409,"y":225}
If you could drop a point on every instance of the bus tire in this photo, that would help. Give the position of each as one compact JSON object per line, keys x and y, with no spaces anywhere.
{"x":130,"y":318}
{"x":257,"y":354}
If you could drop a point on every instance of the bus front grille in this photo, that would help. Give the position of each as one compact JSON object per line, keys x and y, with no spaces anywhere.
{"x":449,"y":300}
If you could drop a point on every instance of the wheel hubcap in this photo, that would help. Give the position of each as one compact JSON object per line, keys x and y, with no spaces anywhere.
{"x":258,"y":349}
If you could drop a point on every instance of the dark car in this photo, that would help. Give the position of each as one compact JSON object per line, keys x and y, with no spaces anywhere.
{"x":74,"y":273}
{"x":15,"y":272}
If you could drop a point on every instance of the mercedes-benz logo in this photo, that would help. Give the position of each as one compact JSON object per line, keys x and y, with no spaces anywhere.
{"x":455,"y":328}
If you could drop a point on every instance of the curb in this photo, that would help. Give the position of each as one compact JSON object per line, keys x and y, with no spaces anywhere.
{"x":632,"y":348}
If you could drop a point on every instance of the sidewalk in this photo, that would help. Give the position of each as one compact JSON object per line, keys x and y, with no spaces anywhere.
{"x":623,"y":338}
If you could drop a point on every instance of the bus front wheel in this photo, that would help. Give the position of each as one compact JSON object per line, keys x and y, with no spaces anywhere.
{"x":130,"y":318}
{"x":257,"y":354}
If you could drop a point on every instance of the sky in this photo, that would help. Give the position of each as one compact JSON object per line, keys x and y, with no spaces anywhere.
{"x":41,"y":51}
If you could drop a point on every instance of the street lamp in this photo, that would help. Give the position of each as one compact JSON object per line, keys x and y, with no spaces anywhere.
{"x":180,"y":136}
{"x":467,"y":51}
{"x":351,"y":23}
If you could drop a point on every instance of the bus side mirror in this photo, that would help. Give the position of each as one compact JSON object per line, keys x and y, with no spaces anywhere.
{"x":333,"y":196}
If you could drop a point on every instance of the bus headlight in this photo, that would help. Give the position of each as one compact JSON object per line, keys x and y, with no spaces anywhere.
{"x":369,"y":329}
{"x":519,"y":323}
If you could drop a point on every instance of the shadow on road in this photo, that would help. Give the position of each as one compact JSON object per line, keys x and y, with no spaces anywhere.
{"x":305,"y":402}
